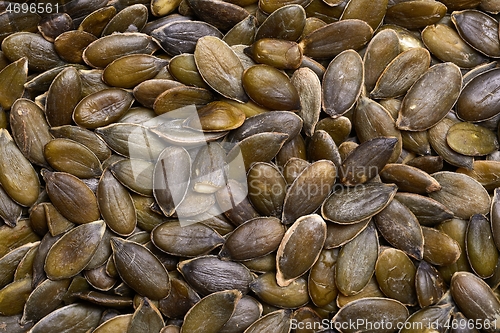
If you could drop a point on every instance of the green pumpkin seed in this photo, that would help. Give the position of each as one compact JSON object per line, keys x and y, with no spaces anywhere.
{"x":87,"y":138}
{"x":209,"y":274}
{"x":278,"y":321}
{"x":432,"y":317}
{"x":140,"y":269}
{"x":10,"y":211}
{"x":10,"y":261}
{"x":294,"y":257}
{"x":44,"y":299}
{"x":321,"y":280}
{"x":371,"y":13}
{"x":308,"y":86}
{"x":211,"y":313}
{"x":242,"y":33}
{"x":20,"y":183}
{"x":352,"y":205}
{"x":430,"y":286}
{"x":12,"y":78}
{"x":414,"y":15}
{"x":247,"y":311}
{"x":471,"y":140}
{"x":216,"y":116}
{"x":266,"y":189}
{"x":30,"y":130}
{"x":439,"y":248}
{"x":77,"y":318}
{"x":340,"y":234}
{"x":130,"y":18}
{"x":102,"y":108}
{"x":178,"y":97}
{"x":292,"y":296}
{"x":480,"y":246}
{"x":428,"y":212}
{"x":221,"y":14}
{"x":409,"y":179}
{"x":338,"y":128}
{"x":130,"y":70}
{"x":254,"y":238}
{"x":356,"y":262}
{"x":13,"y":297}
{"x":233,"y":200}
{"x":308,"y":190}
{"x":72,"y":197}
{"x":485,"y":172}
{"x":120,"y":322}
{"x":456,"y":229}
{"x":181,"y":298}
{"x":74,"y":250}
{"x":285,"y":23}
{"x":70,"y":45}
{"x":146,"y":318}
{"x":135,"y":174}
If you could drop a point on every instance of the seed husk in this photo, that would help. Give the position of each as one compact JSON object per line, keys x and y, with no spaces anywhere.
{"x":74,"y":250}
{"x":396,"y":220}
{"x":352,"y":205}
{"x":480,"y":246}
{"x":308,"y":86}
{"x":343,"y":81}
{"x":254,"y":238}
{"x":211,"y":313}
{"x":295,"y":258}
{"x":316,"y":182}
{"x":140,"y":269}
{"x":356,"y":262}
{"x":423,"y":108}
{"x":72,"y":197}
{"x":463,"y":205}
{"x":186,"y":241}
{"x":209,"y":274}
{"x":471,"y":139}
{"x":10,"y":211}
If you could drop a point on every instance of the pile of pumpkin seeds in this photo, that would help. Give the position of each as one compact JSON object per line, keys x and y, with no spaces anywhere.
{"x":249,"y":166}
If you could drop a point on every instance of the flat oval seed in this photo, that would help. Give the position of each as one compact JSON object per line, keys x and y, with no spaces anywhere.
{"x":401,"y":229}
{"x":456,"y":229}
{"x":480,"y":246}
{"x":116,"y":205}
{"x":69,"y":156}
{"x":409,"y":179}
{"x":352,"y":205}
{"x":371,"y":13}
{"x":278,"y":321}
{"x":74,"y":318}
{"x":285,"y":23}
{"x":430,"y":286}
{"x":485,"y":172}
{"x":266,"y":189}
{"x":72,"y":197}
{"x":315,"y":184}
{"x":179,"y":97}
{"x":44,"y":299}
{"x":471,"y":140}
{"x":269,"y":87}
{"x":422,"y":107}
{"x":211,"y":313}
{"x":29,"y":129}
{"x":216,"y":116}
{"x":20,"y":183}
{"x":435,"y":316}
{"x":321,"y":279}
{"x":209,"y":274}
{"x":225,"y":74}
{"x":128,"y":71}
{"x":292,"y":296}
{"x":479,"y":30}
{"x":463,"y":204}
{"x":146,"y":318}
{"x":119,"y":322}
{"x":181,"y":298}
{"x":413,"y":14}
{"x":308,"y":86}
{"x":64,"y":94}
{"x":74,"y":250}
{"x":479,"y":97}
{"x":439,"y":248}
{"x":140,"y":269}
{"x":475,"y":298}
{"x":342,"y":83}
{"x":295,"y":257}
{"x":12,"y":78}
{"x":371,"y":310}
{"x":186,"y":241}
{"x":88,"y":138}
{"x":331,"y":40}
{"x":414,"y":62}
{"x":102,"y":108}
{"x":10,"y":211}
{"x":340,"y":234}
{"x":428,"y":212}
{"x":254,"y":238}
{"x":356,"y":262}
{"x":396,"y":276}
{"x":135,"y":174}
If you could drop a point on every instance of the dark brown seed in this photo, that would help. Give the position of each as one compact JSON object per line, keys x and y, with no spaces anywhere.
{"x":438,"y":316}
{"x":77,"y":317}
{"x":266,"y":189}
{"x":413,"y":14}
{"x":293,"y":296}
{"x":70,"y":45}
{"x":140,"y":269}
{"x":367,"y":160}
{"x":331,"y":40}
{"x":430,"y":286}
{"x":355,"y":204}
{"x":428,"y":212}
{"x":439,"y":248}
{"x":210,"y":274}
{"x":181,"y":298}
{"x":233,"y":200}
{"x":308,"y":190}
{"x":12,"y":80}
{"x":409,"y":179}
{"x":356,"y":262}
{"x":285,"y":23}
{"x":401,"y":229}
{"x":131,"y":18}
{"x":295,"y":257}
{"x":72,"y":198}
{"x":485,"y":172}
{"x":456,"y":229}
{"x":130,"y":70}
{"x":480,"y":246}
{"x":342,"y":83}
{"x":223,"y":15}
{"x":371,"y":13}
{"x":216,"y":116}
